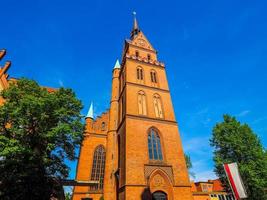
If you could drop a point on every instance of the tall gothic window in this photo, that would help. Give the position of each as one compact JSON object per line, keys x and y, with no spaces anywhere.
{"x":154,"y":145}
{"x":141,"y":103}
{"x":139,"y":71}
{"x":98,"y":167}
{"x":157,"y":106}
{"x":153,"y":76}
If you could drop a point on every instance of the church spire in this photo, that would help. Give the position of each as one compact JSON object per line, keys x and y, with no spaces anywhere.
{"x":136,"y":29}
{"x":90,"y":113}
{"x":117,"y":65}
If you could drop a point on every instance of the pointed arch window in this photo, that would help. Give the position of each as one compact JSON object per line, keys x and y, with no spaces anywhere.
{"x":153,"y":76}
{"x":98,"y":167}
{"x":157,"y":106}
{"x":154,"y":145}
{"x":141,"y":103}
{"x":139,"y":71}
{"x":103,"y":126}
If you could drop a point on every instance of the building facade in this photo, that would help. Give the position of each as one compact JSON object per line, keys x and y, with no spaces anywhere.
{"x":134,"y":151}
{"x":210,"y":190}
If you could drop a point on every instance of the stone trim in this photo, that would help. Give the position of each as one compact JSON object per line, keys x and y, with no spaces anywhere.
{"x":151,"y":119}
{"x":96,"y":135}
{"x":149,"y":169}
{"x":146,"y":86}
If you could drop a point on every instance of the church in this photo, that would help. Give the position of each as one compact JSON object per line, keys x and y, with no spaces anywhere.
{"x":133,"y":150}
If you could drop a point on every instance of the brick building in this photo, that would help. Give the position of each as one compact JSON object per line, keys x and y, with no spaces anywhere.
{"x":210,"y":190}
{"x":134,"y":151}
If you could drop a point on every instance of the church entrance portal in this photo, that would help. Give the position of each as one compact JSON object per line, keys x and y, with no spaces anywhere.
{"x":158,"y":195}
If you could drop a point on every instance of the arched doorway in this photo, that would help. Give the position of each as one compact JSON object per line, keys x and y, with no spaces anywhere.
{"x":159,"y":195}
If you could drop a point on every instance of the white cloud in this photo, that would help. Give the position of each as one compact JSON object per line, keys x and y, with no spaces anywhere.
{"x":60,"y":82}
{"x":203,"y":111}
{"x":205,"y":175}
{"x":243,"y":113}
{"x":196,"y":144}
{"x":259,"y":120}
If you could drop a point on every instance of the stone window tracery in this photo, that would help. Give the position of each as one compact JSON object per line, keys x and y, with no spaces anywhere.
{"x":154,"y":145}
{"x":98,"y":167}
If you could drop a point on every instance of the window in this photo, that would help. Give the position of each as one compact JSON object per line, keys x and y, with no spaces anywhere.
{"x":98,"y":167}
{"x":140,"y":73}
{"x":148,"y":57}
{"x":221,"y":197}
{"x":123,"y":105}
{"x":157,"y":106}
{"x":136,"y":54}
{"x":141,"y":103}
{"x":122,"y":80}
{"x":153,"y":76}
{"x":204,"y":188}
{"x":103,"y":126}
{"x":154,"y":145}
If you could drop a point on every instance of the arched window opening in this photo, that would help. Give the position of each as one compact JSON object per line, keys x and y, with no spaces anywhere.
{"x":148,"y":57}
{"x":103,"y":126}
{"x":154,"y":145}
{"x":136,"y":54}
{"x":98,"y":167}
{"x":153,"y":76}
{"x":159,"y":195}
{"x":139,"y":71}
{"x":157,"y":106}
{"x":141,"y":103}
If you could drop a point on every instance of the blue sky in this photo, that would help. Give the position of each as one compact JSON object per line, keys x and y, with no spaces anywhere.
{"x":215,"y":54}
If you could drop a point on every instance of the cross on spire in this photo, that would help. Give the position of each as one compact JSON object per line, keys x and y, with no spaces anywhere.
{"x":135,"y":29}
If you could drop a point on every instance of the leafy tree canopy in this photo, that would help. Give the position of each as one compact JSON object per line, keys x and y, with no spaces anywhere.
{"x":189,"y":165}
{"x":38,"y":130}
{"x":236,"y":142}
{"x":188,"y":161}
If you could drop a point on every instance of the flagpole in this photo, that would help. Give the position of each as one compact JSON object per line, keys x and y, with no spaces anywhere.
{"x":229,"y":183}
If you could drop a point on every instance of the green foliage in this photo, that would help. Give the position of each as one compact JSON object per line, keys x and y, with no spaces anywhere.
{"x":189,"y":165}
{"x":38,"y":130}
{"x":67,"y":196}
{"x":188,"y":161}
{"x":101,"y":198}
{"x":236,"y":142}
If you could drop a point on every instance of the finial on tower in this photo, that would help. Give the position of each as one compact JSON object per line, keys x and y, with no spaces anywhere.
{"x":136,"y":29}
{"x":117,"y":65}
{"x":90,"y":113}
{"x":2,"y":53}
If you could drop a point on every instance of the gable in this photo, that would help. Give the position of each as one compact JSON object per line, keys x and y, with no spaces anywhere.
{"x":140,"y":40}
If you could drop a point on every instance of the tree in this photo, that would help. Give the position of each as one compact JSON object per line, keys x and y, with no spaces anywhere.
{"x":189,"y":165}
{"x":38,"y":131}
{"x":68,"y":196}
{"x":236,"y":142}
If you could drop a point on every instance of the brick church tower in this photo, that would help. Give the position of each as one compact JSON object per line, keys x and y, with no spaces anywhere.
{"x":133,"y":151}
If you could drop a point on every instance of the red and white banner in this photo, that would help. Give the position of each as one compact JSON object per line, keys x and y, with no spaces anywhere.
{"x":235,"y":180}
